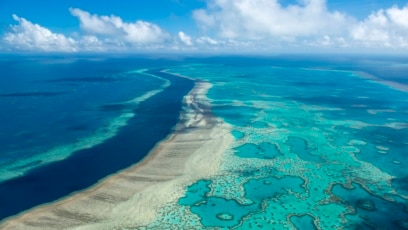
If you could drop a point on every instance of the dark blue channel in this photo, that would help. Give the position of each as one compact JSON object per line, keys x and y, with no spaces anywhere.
{"x":154,"y":120}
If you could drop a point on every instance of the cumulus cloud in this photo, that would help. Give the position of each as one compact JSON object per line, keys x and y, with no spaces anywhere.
{"x":227,"y":25}
{"x":99,"y":34}
{"x":29,"y":36}
{"x":93,"y":44}
{"x":268,"y":23}
{"x":185,"y":38}
{"x":384,"y":28}
{"x":139,"y":32}
{"x":258,"y":19}
{"x":399,"y":16}
{"x":207,"y":40}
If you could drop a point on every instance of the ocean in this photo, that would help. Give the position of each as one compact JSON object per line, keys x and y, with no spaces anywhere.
{"x":319,"y":142}
{"x":68,"y":123}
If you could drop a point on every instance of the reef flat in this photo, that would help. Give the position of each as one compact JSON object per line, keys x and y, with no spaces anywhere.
{"x":313,"y":149}
{"x":260,"y":144}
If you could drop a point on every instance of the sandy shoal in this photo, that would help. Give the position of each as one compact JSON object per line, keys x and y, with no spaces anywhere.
{"x":131,"y":198}
{"x":394,"y":85}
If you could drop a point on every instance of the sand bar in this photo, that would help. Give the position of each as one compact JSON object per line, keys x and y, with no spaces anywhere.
{"x":394,"y":85}
{"x":131,"y":198}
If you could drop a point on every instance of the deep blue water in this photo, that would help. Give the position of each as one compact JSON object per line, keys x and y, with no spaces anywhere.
{"x":51,"y":102}
{"x":153,"y":121}
{"x":42,"y":98}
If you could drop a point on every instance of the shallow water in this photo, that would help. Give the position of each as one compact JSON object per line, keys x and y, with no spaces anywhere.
{"x":312,"y":146}
{"x":316,"y":146}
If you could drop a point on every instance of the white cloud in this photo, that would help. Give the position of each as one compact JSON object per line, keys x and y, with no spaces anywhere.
{"x":100,"y":34}
{"x":93,"y":44}
{"x":259,"y":19}
{"x":267,"y":24}
{"x":139,"y":32}
{"x":185,"y":38}
{"x":227,"y":25}
{"x":29,"y":36}
{"x":399,"y":16}
{"x":384,"y":28}
{"x":207,"y":40}
{"x":327,"y":42}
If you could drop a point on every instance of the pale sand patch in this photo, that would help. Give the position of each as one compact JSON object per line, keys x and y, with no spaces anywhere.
{"x":394,"y":85}
{"x":375,"y":111}
{"x":357,"y":142}
{"x":359,"y":106}
{"x":132,"y":197}
{"x":382,"y":148}
{"x":397,"y":125}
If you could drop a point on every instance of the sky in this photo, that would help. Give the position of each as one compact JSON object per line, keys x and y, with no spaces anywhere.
{"x":214,"y":26}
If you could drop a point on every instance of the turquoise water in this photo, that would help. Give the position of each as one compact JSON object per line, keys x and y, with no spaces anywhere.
{"x":315,"y":147}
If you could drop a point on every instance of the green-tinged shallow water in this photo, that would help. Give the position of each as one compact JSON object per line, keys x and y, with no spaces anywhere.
{"x":313,"y":149}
